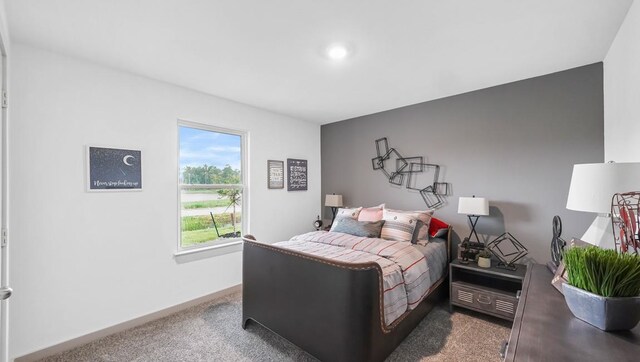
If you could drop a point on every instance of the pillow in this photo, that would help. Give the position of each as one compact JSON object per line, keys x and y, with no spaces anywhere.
{"x":437,"y":228}
{"x":422,"y":228}
{"x":398,"y":226}
{"x":358,"y":228}
{"x":371,"y":213}
{"x":348,"y":213}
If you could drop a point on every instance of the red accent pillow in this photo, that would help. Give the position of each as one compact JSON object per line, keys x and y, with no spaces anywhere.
{"x":437,"y":228}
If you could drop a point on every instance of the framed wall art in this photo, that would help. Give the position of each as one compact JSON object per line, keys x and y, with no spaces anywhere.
{"x":296,"y":175}
{"x":275,"y":174}
{"x":113,"y":169}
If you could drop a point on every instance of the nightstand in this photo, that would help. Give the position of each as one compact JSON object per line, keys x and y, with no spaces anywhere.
{"x":492,"y":291}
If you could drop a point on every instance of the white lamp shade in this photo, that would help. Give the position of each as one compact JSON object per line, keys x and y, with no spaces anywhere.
{"x":333,"y":200}
{"x":473,"y":206}
{"x":593,"y":185}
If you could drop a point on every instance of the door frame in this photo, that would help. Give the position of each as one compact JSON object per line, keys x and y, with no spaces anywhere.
{"x":4,"y":192}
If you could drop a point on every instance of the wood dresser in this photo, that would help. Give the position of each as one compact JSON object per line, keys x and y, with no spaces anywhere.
{"x":545,"y":330}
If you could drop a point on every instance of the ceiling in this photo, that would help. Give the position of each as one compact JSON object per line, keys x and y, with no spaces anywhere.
{"x":270,"y":54}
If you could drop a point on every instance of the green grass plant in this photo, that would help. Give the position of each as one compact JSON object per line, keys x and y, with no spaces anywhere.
{"x":199,"y":222}
{"x":603,"y":272}
{"x":207,"y":204}
{"x":190,"y":223}
{"x":200,"y":191}
{"x":199,"y":229}
{"x":194,"y":237}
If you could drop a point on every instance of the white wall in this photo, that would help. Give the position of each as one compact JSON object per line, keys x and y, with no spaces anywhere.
{"x":85,"y":261}
{"x":622,"y":91}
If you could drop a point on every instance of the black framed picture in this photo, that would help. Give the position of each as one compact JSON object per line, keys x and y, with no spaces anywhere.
{"x":114,"y":169}
{"x":296,"y":175}
{"x":275,"y":174}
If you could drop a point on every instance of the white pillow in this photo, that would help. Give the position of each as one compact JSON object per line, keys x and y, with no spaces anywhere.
{"x":398,"y":226}
{"x":421,"y":235}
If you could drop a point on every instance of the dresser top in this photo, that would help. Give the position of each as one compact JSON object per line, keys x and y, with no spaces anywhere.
{"x":545,"y":330}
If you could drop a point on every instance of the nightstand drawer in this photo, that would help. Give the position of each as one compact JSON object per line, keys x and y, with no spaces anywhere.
{"x":490,"y":301}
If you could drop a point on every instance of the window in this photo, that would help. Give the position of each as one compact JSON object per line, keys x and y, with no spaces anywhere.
{"x":212,"y":185}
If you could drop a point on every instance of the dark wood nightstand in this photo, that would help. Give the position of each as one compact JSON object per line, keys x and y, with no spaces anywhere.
{"x":492,"y":291}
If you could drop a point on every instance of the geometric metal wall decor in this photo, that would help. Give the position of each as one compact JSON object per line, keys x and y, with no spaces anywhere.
{"x":382,"y":146}
{"x":393,"y":176}
{"x":508,"y":250}
{"x":415,"y":168}
{"x":625,"y":219}
{"x":431,"y":198}
{"x":441,"y":188}
{"x":429,"y":193}
{"x":407,"y":160}
{"x":396,"y":178}
{"x":432,"y":194}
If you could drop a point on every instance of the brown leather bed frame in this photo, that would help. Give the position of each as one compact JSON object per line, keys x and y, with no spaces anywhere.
{"x":330,"y":309}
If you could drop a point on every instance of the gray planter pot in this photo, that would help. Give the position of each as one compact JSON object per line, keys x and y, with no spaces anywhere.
{"x":608,"y":314}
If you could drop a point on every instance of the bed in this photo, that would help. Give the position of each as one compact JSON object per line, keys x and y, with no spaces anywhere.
{"x":334,"y":309}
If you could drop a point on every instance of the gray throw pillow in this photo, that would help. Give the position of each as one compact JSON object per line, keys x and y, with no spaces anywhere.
{"x":369,"y":229}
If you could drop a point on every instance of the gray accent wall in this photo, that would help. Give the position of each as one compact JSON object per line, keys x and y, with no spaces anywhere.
{"x":514,"y":144}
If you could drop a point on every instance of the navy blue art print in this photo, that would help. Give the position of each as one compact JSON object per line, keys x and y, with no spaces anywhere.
{"x":297,"y":172}
{"x":114,"y":169}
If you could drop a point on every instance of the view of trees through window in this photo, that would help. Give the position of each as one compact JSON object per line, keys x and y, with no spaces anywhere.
{"x":211,"y":186}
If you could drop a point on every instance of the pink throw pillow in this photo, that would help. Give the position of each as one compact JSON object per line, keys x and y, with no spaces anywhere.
{"x":370,"y":214}
{"x":374,"y":213}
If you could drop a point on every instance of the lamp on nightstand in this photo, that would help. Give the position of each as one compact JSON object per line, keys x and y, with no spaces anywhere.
{"x":473,"y":207}
{"x":334,"y":202}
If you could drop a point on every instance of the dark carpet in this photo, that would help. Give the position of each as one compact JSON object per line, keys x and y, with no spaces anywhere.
{"x":212,"y":332}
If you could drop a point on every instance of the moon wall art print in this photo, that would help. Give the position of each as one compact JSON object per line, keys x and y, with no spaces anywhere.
{"x":113,"y":169}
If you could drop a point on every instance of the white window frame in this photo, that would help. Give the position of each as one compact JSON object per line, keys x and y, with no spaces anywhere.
{"x":244,"y":186}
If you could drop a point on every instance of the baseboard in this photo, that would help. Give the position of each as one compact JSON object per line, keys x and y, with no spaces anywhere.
{"x":76,"y":342}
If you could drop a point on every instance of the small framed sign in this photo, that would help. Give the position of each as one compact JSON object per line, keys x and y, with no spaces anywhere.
{"x":275,"y":172}
{"x":113,"y":169}
{"x":297,"y":175}
{"x":560,"y":277}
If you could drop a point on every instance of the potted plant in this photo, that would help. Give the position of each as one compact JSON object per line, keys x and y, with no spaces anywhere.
{"x":603,"y":287}
{"x":484,"y":259}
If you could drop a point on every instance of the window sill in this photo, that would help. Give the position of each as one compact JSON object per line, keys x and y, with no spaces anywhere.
{"x":187,"y":255}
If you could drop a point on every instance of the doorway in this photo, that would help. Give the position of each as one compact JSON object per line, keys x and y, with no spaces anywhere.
{"x":5,"y":291}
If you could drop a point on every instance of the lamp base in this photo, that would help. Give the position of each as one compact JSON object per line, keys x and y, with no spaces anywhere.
{"x":333,"y":211}
{"x":600,"y":233}
{"x":473,"y":232}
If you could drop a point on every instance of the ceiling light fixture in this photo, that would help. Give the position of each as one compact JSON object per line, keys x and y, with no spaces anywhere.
{"x":337,"y":52}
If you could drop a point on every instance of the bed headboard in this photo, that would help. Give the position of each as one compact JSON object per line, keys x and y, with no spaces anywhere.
{"x":448,"y":238}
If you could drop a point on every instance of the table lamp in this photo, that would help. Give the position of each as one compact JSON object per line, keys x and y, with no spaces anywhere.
{"x":473,"y":207}
{"x":334,"y":202}
{"x":591,"y":190}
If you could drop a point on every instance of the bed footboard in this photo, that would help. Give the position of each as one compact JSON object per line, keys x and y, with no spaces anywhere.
{"x":330,"y":309}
